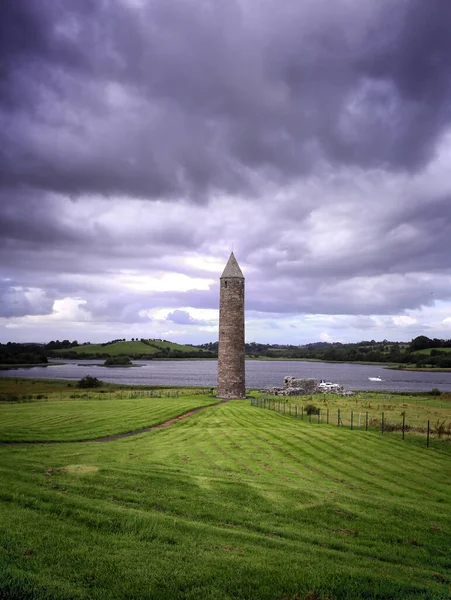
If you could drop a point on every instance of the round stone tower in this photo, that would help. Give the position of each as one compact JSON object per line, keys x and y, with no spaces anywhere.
{"x":231,"y":377}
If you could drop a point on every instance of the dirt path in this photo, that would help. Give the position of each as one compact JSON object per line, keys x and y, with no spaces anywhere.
{"x":112,"y":438}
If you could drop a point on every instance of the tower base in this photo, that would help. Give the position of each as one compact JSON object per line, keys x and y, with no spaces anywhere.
{"x":229,"y":393}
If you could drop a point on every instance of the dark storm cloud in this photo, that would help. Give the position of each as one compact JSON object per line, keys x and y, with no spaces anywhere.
{"x":301,"y":132}
{"x":414,"y":56}
{"x":26,"y":217}
{"x":184,"y":98}
{"x":17,"y":301}
{"x":44,"y":235}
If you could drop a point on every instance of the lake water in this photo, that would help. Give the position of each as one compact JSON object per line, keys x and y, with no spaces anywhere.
{"x":259,"y":374}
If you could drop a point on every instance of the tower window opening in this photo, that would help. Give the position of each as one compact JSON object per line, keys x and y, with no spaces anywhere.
{"x":225,"y":283}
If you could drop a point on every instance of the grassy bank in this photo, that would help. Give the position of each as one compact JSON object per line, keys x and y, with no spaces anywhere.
{"x":90,"y":417}
{"x":417,"y":409}
{"x":427,"y":369}
{"x":6,"y":367}
{"x":233,"y":503}
{"x":23,"y":386}
{"x":385,"y":365}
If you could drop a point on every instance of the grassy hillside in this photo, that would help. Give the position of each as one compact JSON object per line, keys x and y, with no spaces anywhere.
{"x":174,"y":346}
{"x":89,"y":416}
{"x":115,"y":349}
{"x":427,"y":351}
{"x":417,"y":410}
{"x":233,"y":503}
{"x":153,"y":348}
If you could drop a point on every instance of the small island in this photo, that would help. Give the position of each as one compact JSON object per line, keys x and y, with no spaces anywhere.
{"x":118,"y":361}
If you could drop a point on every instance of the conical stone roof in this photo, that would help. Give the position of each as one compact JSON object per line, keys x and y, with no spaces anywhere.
{"x":232,"y":269}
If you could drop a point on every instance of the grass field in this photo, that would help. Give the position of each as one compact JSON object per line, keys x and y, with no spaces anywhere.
{"x":56,"y":410}
{"x":54,"y":388}
{"x":418,"y":409}
{"x":82,"y":419}
{"x":428,"y":351}
{"x":174,"y":346}
{"x":232,"y":503}
{"x":112,"y":349}
{"x":127,"y":348}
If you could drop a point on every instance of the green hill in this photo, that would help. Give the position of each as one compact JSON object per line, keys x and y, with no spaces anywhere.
{"x":173,"y":346}
{"x":134,"y":349}
{"x":235,"y":502}
{"x":128,"y":348}
{"x":427,"y":351}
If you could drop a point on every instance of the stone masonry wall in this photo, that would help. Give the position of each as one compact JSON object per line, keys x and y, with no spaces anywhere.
{"x":231,"y":365}
{"x":306,"y":386}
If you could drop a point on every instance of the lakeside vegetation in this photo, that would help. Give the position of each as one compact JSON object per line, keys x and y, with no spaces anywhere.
{"x":12,"y":354}
{"x":26,"y":388}
{"x":134,"y":349}
{"x":421,"y":353}
{"x":118,"y":361}
{"x":234,"y":502}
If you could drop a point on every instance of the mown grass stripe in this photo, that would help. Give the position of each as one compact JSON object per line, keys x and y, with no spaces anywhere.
{"x":177,"y":513}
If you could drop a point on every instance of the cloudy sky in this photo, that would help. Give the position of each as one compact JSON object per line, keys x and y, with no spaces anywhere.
{"x":142,"y":140}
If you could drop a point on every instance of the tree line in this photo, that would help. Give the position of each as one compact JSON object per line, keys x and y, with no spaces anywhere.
{"x":22,"y":354}
{"x":364,"y":351}
{"x":420,"y":351}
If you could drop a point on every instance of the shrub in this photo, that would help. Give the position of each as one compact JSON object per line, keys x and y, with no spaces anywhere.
{"x":89,"y":382}
{"x":397,"y":427}
{"x":439,"y":428}
{"x":11,"y":398}
{"x":117,"y":361}
{"x":311,"y":409}
{"x":435,"y":392}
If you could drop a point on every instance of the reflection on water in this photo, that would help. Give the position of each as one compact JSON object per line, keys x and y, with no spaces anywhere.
{"x":259,"y":374}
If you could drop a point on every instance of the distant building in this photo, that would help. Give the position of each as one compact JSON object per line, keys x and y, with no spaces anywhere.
{"x":231,"y":366}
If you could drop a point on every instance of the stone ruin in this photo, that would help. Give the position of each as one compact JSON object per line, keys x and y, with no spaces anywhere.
{"x":293,"y":386}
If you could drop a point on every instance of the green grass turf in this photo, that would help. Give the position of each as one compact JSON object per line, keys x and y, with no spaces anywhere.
{"x":427,"y":351}
{"x":174,"y":346}
{"x":112,"y":349}
{"x":418,"y":409}
{"x":233,"y":503}
{"x":130,"y":347}
{"x":26,"y":386}
{"x":81,"y":419}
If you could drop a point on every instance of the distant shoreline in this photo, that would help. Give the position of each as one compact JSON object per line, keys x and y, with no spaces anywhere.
{"x":390,"y":366}
{"x":30,"y":366}
{"x":107,"y":366}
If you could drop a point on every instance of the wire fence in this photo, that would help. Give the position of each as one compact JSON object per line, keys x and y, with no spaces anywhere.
{"x":358,"y":420}
{"x":93,"y":394}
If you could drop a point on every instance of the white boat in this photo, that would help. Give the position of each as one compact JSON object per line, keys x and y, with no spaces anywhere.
{"x":374,"y":378}
{"x":328,"y":385}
